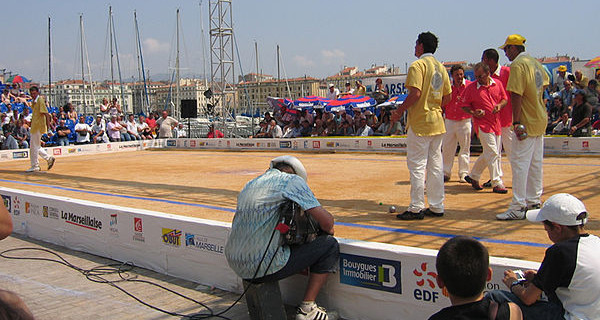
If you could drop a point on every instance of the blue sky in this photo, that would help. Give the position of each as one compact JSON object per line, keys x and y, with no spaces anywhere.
{"x":317,"y":38}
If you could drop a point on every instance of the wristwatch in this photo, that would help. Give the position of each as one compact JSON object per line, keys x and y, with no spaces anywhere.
{"x":515,"y":283}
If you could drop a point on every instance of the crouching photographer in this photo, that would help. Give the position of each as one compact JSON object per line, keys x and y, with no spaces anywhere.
{"x":267,"y":244}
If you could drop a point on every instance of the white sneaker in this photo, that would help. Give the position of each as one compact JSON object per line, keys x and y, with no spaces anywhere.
{"x":51,"y":162}
{"x":511,"y":214}
{"x":315,"y":313}
{"x":33,"y":169}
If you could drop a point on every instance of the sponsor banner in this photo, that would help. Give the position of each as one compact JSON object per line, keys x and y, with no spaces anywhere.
{"x":370,"y":272}
{"x":171,"y":237}
{"x":7,"y":202}
{"x":171,"y":143}
{"x":204,"y":243}
{"x":20,"y":154}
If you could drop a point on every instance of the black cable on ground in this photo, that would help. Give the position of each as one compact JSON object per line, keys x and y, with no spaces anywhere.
{"x":98,"y":274}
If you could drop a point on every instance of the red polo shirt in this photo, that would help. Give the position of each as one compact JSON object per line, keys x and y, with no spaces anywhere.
{"x":485,"y":98}
{"x":452,"y":110}
{"x":502,"y":74}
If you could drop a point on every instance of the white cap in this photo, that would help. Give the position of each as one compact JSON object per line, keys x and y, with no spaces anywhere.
{"x":331,"y":85}
{"x":292,"y":162}
{"x":561,"y":208}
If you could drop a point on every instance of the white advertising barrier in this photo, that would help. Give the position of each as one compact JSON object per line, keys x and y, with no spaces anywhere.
{"x":375,"y":280}
{"x":362,"y":144}
{"x":552,"y":145}
{"x":6,"y":155}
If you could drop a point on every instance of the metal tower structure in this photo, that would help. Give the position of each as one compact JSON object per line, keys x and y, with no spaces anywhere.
{"x":222,"y":73}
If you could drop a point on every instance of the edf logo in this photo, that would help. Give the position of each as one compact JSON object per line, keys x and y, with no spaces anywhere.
{"x":427,"y":285}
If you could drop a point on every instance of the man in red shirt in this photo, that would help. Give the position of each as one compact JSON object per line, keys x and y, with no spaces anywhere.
{"x":212,"y":133}
{"x":484,"y":99}
{"x":458,"y":128}
{"x":490,"y":57}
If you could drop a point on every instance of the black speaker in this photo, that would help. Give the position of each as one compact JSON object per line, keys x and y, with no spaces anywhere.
{"x":189,"y":108}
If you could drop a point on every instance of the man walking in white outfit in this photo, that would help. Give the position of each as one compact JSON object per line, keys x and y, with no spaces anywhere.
{"x":526,"y":86}
{"x":40,"y":122}
{"x":458,"y":128}
{"x":429,"y":89}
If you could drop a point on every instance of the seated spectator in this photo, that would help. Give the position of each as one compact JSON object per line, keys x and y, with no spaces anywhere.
{"x":212,"y":133}
{"x":293,"y":130}
{"x":562,"y":125}
{"x":6,"y":97}
{"x":581,"y":116}
{"x":99,"y":134}
{"x":463,"y":269}
{"x":180,"y":131}
{"x":71,"y":113}
{"x":15,"y":90}
{"x":361,"y":90}
{"x":24,"y":99}
{"x":330,"y":128}
{"x":384,"y":126}
{"x":372,"y":120}
{"x":114,"y":109}
{"x":306,"y":129}
{"x":131,"y":127}
{"x":591,"y":93}
{"x":26,"y":115}
{"x":348,"y":90}
{"x":104,"y":106}
{"x":308,"y":116}
{"x":5,"y":119}
{"x":123,"y":130}
{"x":318,"y":128}
{"x":151,"y":123}
{"x":568,"y":276}
{"x":62,"y":133}
{"x":9,"y":136}
{"x":380,"y":93}
{"x":114,"y":129}
{"x":356,"y":119}
{"x":581,"y":81}
{"x":567,"y":94}
{"x":143,"y":129}
{"x":263,"y":132}
{"x":363,"y":129}
{"x":268,"y":117}
{"x":345,"y":129}
{"x":275,"y":130}
{"x":21,"y":134}
{"x":83,"y":131}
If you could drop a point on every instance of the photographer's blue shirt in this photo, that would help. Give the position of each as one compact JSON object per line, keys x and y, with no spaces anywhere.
{"x":257,"y":216}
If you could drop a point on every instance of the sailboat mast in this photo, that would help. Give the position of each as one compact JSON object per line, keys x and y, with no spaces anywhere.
{"x":82,"y":70}
{"x":257,"y":78}
{"x":49,"y":65}
{"x":112,"y":73}
{"x":278,"y":74}
{"x":177,"y":101}
{"x":141,"y":70}
{"x":118,"y":63}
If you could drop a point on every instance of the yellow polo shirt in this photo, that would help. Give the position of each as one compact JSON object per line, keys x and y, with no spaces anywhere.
{"x":528,"y":79}
{"x":428,"y":75}
{"x":38,"y":119}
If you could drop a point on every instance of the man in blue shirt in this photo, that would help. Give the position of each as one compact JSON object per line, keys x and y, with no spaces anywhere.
{"x":254,"y":250}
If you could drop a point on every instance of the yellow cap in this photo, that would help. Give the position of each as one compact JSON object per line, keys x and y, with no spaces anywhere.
{"x":514,"y":40}
{"x":562,"y":68}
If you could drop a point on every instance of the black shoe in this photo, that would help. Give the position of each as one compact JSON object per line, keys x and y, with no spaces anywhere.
{"x":488,"y":184}
{"x":446,"y":178}
{"x":474,"y":183}
{"x":429,"y":213}
{"x":407,"y":215}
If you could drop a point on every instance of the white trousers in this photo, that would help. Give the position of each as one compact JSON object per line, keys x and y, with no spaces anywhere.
{"x":424,"y":155}
{"x":457,"y":132}
{"x":526,"y":165}
{"x":35,"y":149}
{"x":489,"y":158}
{"x":506,"y":139}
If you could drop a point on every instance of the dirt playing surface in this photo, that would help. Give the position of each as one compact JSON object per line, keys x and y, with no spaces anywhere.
{"x":356,"y":188}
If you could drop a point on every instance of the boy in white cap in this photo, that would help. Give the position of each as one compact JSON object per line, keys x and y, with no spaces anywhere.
{"x":569,"y":274}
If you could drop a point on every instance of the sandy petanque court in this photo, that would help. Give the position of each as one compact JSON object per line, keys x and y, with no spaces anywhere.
{"x":357,"y":188}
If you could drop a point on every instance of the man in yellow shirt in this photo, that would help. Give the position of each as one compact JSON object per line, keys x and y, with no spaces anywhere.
{"x":429,"y":89}
{"x":40,"y":122}
{"x":526,"y":85}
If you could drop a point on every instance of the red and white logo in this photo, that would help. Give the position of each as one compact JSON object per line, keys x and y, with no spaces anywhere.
{"x":427,"y":278}
{"x":137,"y":224}
{"x":316,"y":144}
